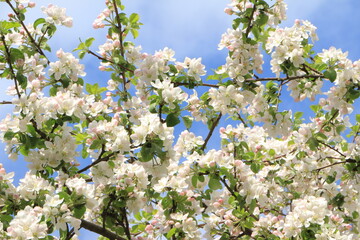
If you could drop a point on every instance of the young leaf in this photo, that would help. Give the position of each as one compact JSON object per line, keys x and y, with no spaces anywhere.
{"x":172,"y":120}
{"x":330,"y":74}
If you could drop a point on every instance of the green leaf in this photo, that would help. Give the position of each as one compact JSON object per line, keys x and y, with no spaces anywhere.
{"x":134,"y":32}
{"x":171,"y":233}
{"x":9,"y":135}
{"x":214,"y":183}
{"x":255,"y":167}
{"x":315,"y":108}
{"x":187,"y":121}
{"x":194,"y":180}
{"x":340,"y":128}
{"x":96,"y":144}
{"x":320,"y":135}
{"x":94,"y":89}
{"x":22,"y":80}
{"x":64,"y":195}
{"x":5,"y":26}
{"x":172,"y":120}
{"x":262,"y":19}
{"x":53,"y":91}
{"x":236,"y":23}
{"x":81,"y":46}
{"x":89,"y":41}
{"x":111,"y":164}
{"x":16,"y":54}
{"x":272,"y":152}
{"x":21,"y":16}
{"x":256,"y":32}
{"x":330,"y":179}
{"x":313,"y":143}
{"x":146,"y":152}
{"x":252,"y":206}
{"x":358,"y":118}
{"x":166,"y":202}
{"x":134,"y":17}
{"x":249,"y":223}
{"x":84,"y":153}
{"x":81,"y":54}
{"x":38,"y":22}
{"x":298,"y":115}
{"x":330,"y":74}
{"x":79,"y":211}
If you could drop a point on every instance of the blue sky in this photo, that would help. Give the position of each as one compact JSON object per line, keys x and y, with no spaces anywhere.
{"x":191,"y":28}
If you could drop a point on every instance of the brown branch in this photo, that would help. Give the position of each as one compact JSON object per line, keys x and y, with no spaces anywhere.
{"x":319,"y":169}
{"x":241,"y":119}
{"x":119,"y":27}
{"x":38,"y":48}
{"x":284,"y":79}
{"x":332,"y":148}
{"x":250,"y":20}
{"x":97,"y":161}
{"x":99,"y":230}
{"x":329,"y":121}
{"x":5,"y":102}
{"x":312,"y":69}
{"x":197,"y":84}
{"x":107,"y":60}
{"x":257,"y":79}
{"x":42,"y":134}
{"x":8,"y":59}
{"x":211,"y":132}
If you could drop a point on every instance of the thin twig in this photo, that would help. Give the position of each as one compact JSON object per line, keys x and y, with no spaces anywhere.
{"x":38,"y":48}
{"x":319,"y":169}
{"x":97,"y":161}
{"x":6,"y":102}
{"x":211,"y":132}
{"x":99,"y":230}
{"x":250,"y":20}
{"x":107,"y":60}
{"x":332,"y":148}
{"x":7,"y":51}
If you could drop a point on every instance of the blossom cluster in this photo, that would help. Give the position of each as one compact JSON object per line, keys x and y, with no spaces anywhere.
{"x":137,"y":158}
{"x":244,"y":57}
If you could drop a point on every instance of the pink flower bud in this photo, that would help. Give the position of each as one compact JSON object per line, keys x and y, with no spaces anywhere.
{"x":222,"y":130}
{"x":228,"y":11}
{"x":216,"y":204}
{"x":228,"y":223}
{"x":248,"y":5}
{"x":117,"y":43}
{"x":31,"y":4}
{"x":238,"y":163}
{"x":106,"y":12}
{"x":149,"y":228}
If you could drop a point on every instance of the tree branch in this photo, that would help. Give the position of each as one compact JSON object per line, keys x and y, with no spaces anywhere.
{"x":38,"y":48}
{"x":97,"y":161}
{"x":10,"y":65}
{"x":248,"y":29}
{"x":5,"y":102}
{"x":211,"y":132}
{"x":99,"y":230}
